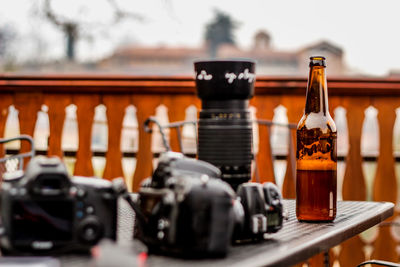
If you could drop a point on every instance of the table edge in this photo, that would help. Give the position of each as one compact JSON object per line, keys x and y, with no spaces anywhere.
{"x":325,"y":242}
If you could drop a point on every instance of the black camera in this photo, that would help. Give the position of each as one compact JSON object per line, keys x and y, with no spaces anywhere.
{"x":186,"y":209}
{"x":44,"y":210}
{"x":225,"y":127}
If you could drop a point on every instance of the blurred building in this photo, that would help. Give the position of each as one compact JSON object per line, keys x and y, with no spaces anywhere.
{"x":394,"y":73}
{"x":179,"y":60}
{"x":153,"y":60}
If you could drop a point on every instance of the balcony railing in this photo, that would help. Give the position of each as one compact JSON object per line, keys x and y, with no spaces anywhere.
{"x":27,"y":93}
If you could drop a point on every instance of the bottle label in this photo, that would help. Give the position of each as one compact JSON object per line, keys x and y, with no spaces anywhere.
{"x":316,"y":150}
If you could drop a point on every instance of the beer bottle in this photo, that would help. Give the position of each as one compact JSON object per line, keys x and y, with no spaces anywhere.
{"x":316,"y":162}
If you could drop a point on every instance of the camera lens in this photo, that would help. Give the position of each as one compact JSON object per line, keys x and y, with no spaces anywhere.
{"x":225,"y":129}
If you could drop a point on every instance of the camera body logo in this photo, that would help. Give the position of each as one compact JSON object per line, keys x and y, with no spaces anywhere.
{"x":39,"y":245}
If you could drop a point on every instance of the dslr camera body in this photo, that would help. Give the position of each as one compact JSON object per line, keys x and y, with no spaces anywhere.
{"x":45,"y":211}
{"x":186,"y":209}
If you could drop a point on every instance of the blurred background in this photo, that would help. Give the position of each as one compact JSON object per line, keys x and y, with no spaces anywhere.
{"x":163,"y":37}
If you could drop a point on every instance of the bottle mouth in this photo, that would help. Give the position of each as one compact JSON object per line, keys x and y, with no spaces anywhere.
{"x":317,"y":61}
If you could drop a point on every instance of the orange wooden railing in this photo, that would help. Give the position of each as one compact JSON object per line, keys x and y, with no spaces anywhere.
{"x":29,"y":92}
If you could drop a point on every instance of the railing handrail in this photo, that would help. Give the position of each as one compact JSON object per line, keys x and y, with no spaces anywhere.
{"x":108,"y":83}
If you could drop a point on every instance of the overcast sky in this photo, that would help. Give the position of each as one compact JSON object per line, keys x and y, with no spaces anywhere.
{"x":368,"y":31}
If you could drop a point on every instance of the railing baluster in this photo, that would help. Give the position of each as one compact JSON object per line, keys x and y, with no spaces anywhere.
{"x":116,"y":105}
{"x":28,"y":105}
{"x":353,"y":183}
{"x":57,"y":105}
{"x":177,"y":105}
{"x":354,"y":187}
{"x":295,"y":107}
{"x":85,"y":104}
{"x":145,"y":107}
{"x":265,"y":106}
{"x":385,"y":185}
{"x":6,"y":101}
{"x":334,"y":102}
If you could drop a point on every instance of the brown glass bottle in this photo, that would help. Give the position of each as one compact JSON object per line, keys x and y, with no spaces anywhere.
{"x":316,"y":163}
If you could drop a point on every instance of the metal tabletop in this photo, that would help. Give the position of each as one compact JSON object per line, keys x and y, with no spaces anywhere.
{"x":296,"y":242}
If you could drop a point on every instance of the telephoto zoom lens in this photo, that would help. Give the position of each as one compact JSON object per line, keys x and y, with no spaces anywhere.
{"x":225,"y":127}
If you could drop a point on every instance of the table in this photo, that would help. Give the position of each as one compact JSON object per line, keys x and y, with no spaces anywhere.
{"x":294,"y":243}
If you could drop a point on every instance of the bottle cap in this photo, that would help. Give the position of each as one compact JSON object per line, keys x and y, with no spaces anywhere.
{"x":317,"y":61}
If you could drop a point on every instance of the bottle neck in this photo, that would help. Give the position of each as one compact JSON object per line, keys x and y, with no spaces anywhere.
{"x":317,"y":92}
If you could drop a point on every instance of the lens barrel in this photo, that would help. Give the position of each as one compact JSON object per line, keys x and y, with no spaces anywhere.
{"x":225,"y":128}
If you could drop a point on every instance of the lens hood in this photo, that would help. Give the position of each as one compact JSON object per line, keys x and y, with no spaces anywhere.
{"x":225,"y":79}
